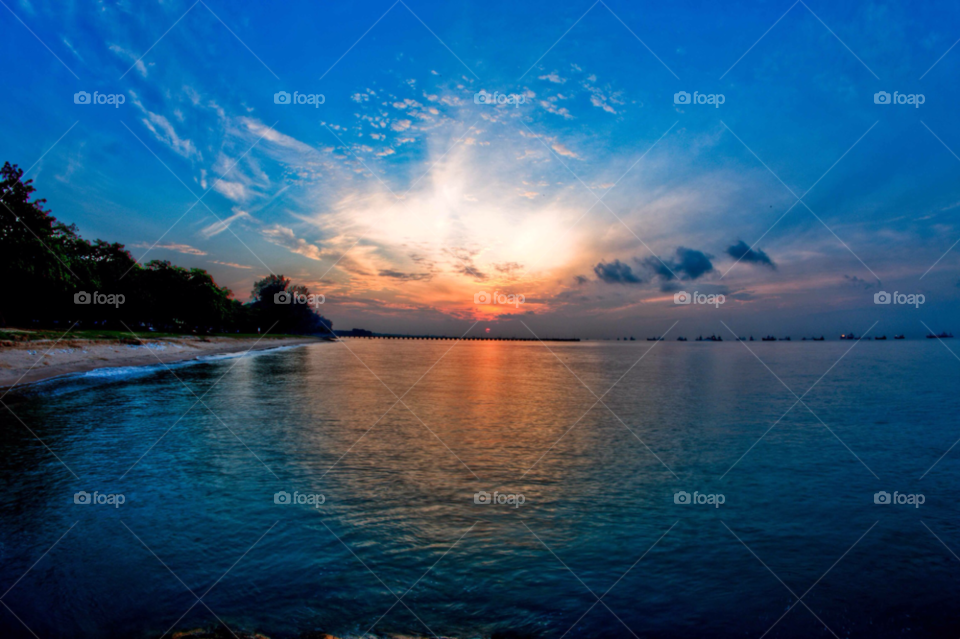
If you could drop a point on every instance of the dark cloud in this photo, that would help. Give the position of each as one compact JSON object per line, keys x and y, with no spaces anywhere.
{"x":508,"y":267}
{"x":463,"y":263}
{"x":744,"y":253}
{"x":689,"y":264}
{"x":473,"y":272}
{"x":581,"y":280}
{"x":742,"y":295}
{"x":616,"y":272}
{"x":859,"y":283}
{"x":510,"y":270}
{"x":407,"y":277}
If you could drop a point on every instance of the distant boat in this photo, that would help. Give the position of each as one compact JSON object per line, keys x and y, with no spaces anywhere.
{"x":880,"y":337}
{"x":681,"y":339}
{"x":769,"y":338}
{"x":818,"y":339}
{"x":849,"y":336}
{"x":899,"y":337}
{"x":785,"y":339}
{"x":943,"y":335}
{"x":654,"y":339}
{"x":751,"y":338}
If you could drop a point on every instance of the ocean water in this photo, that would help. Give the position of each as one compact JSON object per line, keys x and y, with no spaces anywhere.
{"x":598,"y":440}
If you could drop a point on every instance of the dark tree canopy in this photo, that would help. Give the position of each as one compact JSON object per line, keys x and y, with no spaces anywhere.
{"x":61,"y":278}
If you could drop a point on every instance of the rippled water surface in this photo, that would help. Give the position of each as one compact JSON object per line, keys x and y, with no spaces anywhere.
{"x":398,"y":437}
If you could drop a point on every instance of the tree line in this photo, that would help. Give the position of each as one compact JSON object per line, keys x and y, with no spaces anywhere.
{"x":58,"y":278}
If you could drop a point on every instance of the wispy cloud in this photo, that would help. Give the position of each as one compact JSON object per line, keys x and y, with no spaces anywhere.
{"x":179,"y":248}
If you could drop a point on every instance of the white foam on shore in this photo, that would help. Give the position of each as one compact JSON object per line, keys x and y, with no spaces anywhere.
{"x":219,"y":356}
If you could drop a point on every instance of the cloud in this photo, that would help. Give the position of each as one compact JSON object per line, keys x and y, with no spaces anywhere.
{"x":601,"y":99}
{"x":463,"y":263}
{"x":261,"y":130}
{"x":285,"y":237}
{"x":129,"y":56}
{"x":164,"y":131}
{"x":553,"y":77}
{"x":220,"y":226}
{"x":231,"y":190}
{"x":508,"y":267}
{"x":230,"y":264}
{"x":689,"y":264}
{"x":616,"y":272}
{"x":179,"y":248}
{"x":562,"y":150}
{"x":406,"y":277}
{"x":550,"y":104}
{"x":744,"y":253}
{"x":861,"y":283}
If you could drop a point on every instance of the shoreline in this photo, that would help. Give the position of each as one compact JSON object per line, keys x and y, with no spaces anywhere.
{"x":25,"y":363}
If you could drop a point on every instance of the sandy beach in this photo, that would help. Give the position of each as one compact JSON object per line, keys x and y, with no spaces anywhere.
{"x":27,"y":362}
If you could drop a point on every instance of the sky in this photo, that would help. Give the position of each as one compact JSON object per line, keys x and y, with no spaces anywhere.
{"x":513,"y":169}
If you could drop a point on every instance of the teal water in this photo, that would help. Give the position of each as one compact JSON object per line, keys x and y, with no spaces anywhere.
{"x":398,"y":480}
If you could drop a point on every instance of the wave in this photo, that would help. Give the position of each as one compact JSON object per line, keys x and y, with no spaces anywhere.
{"x":76,"y":381}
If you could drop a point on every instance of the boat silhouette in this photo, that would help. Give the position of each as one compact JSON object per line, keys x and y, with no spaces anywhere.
{"x":769,"y":338}
{"x":899,"y":337}
{"x":880,"y":337}
{"x":846,"y":336}
{"x":785,"y":339}
{"x":943,"y":335}
{"x":681,"y":339}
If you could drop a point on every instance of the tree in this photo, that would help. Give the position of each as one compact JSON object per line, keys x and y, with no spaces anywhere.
{"x":290,"y":306}
{"x":49,"y":264}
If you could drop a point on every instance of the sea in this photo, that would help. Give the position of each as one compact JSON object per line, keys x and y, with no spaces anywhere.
{"x":467,"y":489}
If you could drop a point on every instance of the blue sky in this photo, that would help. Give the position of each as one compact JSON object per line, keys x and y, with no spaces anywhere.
{"x":400,"y":198}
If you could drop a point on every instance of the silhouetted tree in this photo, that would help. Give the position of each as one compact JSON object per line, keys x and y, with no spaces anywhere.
{"x":49,"y":264}
{"x":291,"y":306}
